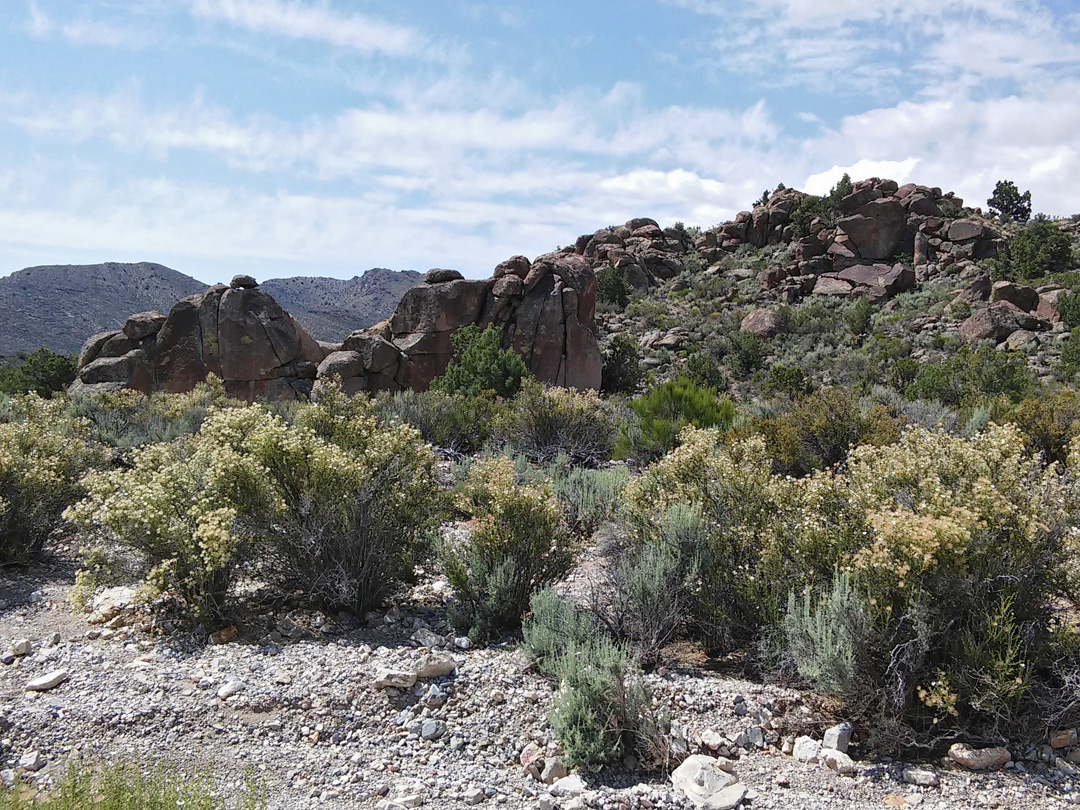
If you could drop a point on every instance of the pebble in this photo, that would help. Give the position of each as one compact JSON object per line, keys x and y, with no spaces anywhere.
{"x":230,"y":688}
{"x":48,"y":681}
{"x":31,"y":761}
{"x":21,"y":647}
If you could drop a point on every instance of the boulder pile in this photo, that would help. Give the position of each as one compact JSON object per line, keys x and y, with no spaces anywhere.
{"x":885,"y":238}
{"x":544,"y":309}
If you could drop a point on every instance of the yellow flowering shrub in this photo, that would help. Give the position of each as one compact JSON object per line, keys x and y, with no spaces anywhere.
{"x":43,"y":453}
{"x":250,"y":488}
{"x":517,"y":543}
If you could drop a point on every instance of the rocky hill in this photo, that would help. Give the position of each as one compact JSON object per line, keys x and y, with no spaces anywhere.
{"x":331,"y":308}
{"x":58,"y":306}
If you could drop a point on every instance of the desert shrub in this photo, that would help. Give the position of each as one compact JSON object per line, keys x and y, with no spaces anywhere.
{"x":611,"y":287}
{"x":819,"y":429}
{"x":968,"y":547}
{"x":735,"y":503}
{"x":966,"y":378}
{"x":621,"y":372}
{"x":602,"y":710}
{"x":133,"y":786}
{"x":648,"y":597}
{"x":481,"y":364}
{"x":827,"y":637}
{"x":858,"y":316}
{"x":744,"y":354}
{"x":553,"y":625}
{"x":1068,"y":307}
{"x":43,"y":453}
{"x":1038,"y":249}
{"x":125,"y":419}
{"x":454,"y":423}
{"x":666,"y":410}
{"x":1051,"y":422}
{"x":786,"y":380}
{"x":41,"y":372}
{"x":590,"y":497}
{"x":702,"y":370}
{"x":517,"y":542}
{"x":542,"y":423}
{"x":338,"y":513}
{"x":825,"y":208}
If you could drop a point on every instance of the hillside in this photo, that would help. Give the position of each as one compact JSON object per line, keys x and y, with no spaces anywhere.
{"x":59,"y":306}
{"x":331,"y":308}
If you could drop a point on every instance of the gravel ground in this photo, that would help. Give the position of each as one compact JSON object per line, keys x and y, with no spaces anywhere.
{"x":296,"y":699}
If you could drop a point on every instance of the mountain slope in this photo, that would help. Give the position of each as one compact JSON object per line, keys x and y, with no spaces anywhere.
{"x":60,"y":306}
{"x":330,"y":308}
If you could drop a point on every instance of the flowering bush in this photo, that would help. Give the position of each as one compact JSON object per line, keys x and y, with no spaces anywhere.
{"x":43,"y":452}
{"x":517,"y":543}
{"x":542,"y":423}
{"x":333,"y":501}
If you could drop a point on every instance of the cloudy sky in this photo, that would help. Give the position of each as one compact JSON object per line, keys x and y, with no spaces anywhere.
{"x":325,"y":137}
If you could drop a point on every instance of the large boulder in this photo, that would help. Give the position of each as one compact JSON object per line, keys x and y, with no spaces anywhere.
{"x":996,"y":322}
{"x":1019,"y":294}
{"x":762,"y":323}
{"x":876,"y":228}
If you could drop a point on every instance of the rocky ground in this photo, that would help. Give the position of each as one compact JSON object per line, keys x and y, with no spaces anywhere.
{"x":393,"y":711}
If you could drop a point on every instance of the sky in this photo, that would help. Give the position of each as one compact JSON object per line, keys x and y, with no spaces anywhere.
{"x":326,"y":137}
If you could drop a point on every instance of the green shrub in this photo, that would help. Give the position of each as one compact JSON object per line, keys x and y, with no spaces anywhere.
{"x":42,"y":372}
{"x":43,"y":453}
{"x":611,"y":287}
{"x":828,"y":638}
{"x":130,"y":786}
{"x":1051,"y":422}
{"x":968,"y":377}
{"x":666,"y":410}
{"x":820,"y":428}
{"x":858,"y":316}
{"x":786,"y":380}
{"x":543,"y":423}
{"x":744,"y":354}
{"x":517,"y":542}
{"x":703,"y":371}
{"x":481,"y":364}
{"x":456,"y":424}
{"x":1039,"y":249}
{"x":825,"y":208}
{"x":621,"y":372}
{"x":1068,"y":307}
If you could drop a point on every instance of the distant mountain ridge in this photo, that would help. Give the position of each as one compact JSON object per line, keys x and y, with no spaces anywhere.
{"x":59,"y":306}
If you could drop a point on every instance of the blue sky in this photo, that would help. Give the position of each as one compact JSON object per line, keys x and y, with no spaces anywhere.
{"x":325,"y":137}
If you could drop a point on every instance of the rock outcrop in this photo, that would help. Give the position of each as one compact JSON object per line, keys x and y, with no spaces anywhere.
{"x":239,"y":334}
{"x":884,"y":239}
{"x":544,"y":309}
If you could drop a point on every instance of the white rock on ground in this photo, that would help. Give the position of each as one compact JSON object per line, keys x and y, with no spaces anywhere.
{"x":806,"y":749}
{"x":701,"y":779}
{"x":979,"y":759}
{"x":50,"y":680}
{"x":837,"y":737}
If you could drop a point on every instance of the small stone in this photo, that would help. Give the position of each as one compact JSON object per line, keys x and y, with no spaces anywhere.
{"x":568,"y":786}
{"x":498,"y":697}
{"x":435,"y":666}
{"x":782,"y":780}
{"x":7,"y":659}
{"x":243,"y":282}
{"x":553,"y":771}
{"x":474,"y":796}
{"x":7,"y":777}
{"x":837,"y":761}
{"x":21,"y":647}
{"x":52,"y":640}
{"x":923,"y":777}
{"x":432,"y":730}
{"x":985,"y":759}
{"x":701,"y":779}
{"x":714,"y":740}
{"x":410,"y":800}
{"x":1066,"y":738}
{"x":31,"y":761}
{"x":398,"y":679}
{"x":427,"y":638}
{"x":806,"y":749}
{"x":462,"y":642}
{"x":545,"y":802}
{"x":48,"y":681}
{"x":230,"y":688}
{"x":837,"y":737}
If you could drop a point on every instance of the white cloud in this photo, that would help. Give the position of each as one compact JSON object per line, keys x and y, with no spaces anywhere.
{"x":318,"y":22}
{"x":898,"y":170}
